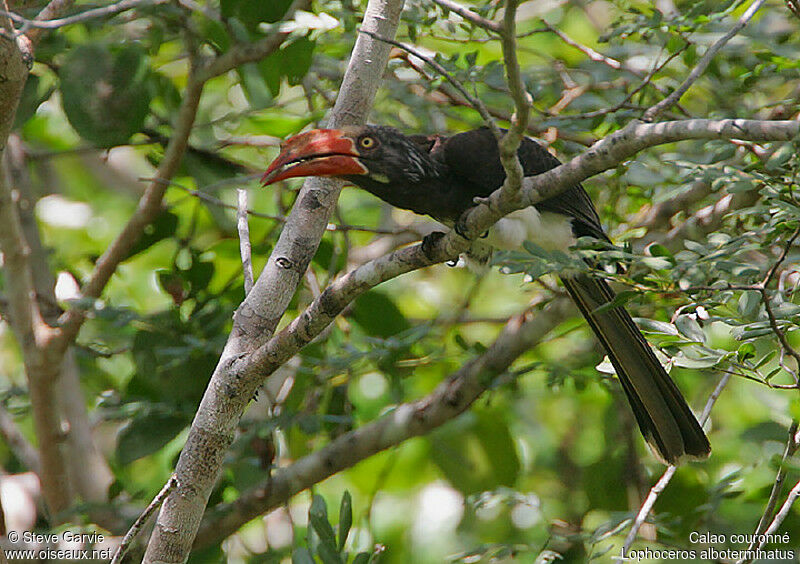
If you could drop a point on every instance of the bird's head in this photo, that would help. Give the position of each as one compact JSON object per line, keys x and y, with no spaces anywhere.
{"x":362,"y":154}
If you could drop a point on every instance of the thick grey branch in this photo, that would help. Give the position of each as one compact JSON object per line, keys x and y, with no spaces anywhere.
{"x":604,"y":155}
{"x":451,"y":398}
{"x":223,"y":403}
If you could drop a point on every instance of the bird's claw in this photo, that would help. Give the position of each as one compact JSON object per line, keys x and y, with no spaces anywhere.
{"x":461,"y":229}
{"x":429,"y":243}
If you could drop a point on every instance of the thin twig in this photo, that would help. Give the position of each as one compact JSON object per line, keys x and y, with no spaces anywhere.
{"x":773,"y":323}
{"x":53,"y":9}
{"x":470,"y":16}
{"x":656,"y":490}
{"x":771,"y":274}
{"x":110,"y":10}
{"x":242,"y":53}
{"x":150,"y":205}
{"x":454,"y":395}
{"x":782,"y":513}
{"x":705,"y":60}
{"x":474,"y":102}
{"x":208,"y":198}
{"x":777,"y":488}
{"x":588,"y":51}
{"x":140,"y":522}
{"x":522,"y":104}
{"x":17,"y":442}
{"x":244,"y":240}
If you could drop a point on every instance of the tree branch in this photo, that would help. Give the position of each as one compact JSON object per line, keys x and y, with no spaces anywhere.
{"x":451,"y":398}
{"x":475,"y":102}
{"x":242,"y":53}
{"x":656,"y":490}
{"x":89,"y":473}
{"x":212,"y":431}
{"x":53,"y":9}
{"x":141,"y":521}
{"x":702,"y":64}
{"x":32,"y":332}
{"x":17,"y":442}
{"x":470,"y":16}
{"x":610,"y":152}
{"x":43,"y":21}
{"x":244,"y":240}
{"x":147,"y":210}
{"x":792,"y":444}
{"x":510,"y":142}
{"x":604,"y":155}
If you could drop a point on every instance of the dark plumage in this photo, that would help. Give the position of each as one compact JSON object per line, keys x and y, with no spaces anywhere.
{"x":441,"y":176}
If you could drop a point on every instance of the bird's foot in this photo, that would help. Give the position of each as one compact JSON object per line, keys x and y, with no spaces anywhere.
{"x":460,"y":228}
{"x":478,"y":200}
{"x":429,"y":243}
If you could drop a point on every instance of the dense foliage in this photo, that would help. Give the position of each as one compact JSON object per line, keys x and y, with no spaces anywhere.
{"x":549,"y":462}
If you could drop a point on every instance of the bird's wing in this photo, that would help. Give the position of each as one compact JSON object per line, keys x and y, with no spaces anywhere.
{"x":474,"y":157}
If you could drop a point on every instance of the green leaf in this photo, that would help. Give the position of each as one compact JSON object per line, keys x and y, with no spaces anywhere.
{"x":318,"y":517}
{"x":291,"y":62}
{"x":745,"y":351}
{"x":749,"y":303}
{"x":780,"y":158}
{"x":302,"y":556}
{"x":328,"y":554}
{"x":253,"y":12}
{"x":741,"y":186}
{"x":690,"y":328}
{"x":35,"y":92}
{"x":378,"y":315}
{"x":254,"y":86}
{"x":146,"y":433}
{"x":658,"y":250}
{"x":105,"y":94}
{"x":685,"y":362}
{"x":656,"y":326}
{"x":764,"y":431}
{"x":766,"y":358}
{"x":619,"y":301}
{"x":163,"y":226}
{"x":478,"y":453}
{"x":345,"y":518}
{"x":657,"y":263}
{"x":213,"y":31}
{"x":200,"y":274}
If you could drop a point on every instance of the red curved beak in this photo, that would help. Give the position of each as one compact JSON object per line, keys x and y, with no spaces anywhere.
{"x":319,"y":152}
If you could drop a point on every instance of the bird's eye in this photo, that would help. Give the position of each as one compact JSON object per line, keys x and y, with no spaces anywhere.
{"x":367,"y":142}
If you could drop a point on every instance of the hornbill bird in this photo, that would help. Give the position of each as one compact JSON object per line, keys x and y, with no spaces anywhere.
{"x":441,"y":177}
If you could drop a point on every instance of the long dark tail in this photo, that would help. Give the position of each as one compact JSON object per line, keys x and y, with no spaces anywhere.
{"x":667,"y":423}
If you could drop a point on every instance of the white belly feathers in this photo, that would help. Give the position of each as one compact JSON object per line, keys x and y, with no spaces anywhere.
{"x":551,"y":231}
